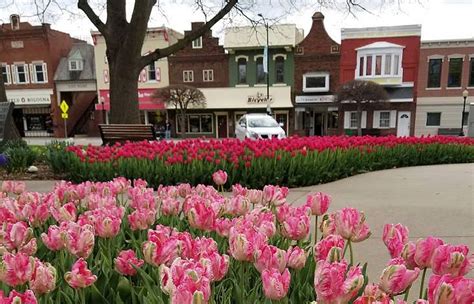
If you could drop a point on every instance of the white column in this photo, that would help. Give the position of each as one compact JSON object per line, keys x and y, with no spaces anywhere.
{"x":146,"y":116}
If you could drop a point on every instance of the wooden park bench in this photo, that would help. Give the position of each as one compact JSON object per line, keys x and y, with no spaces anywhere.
{"x":449,"y":131}
{"x":120,"y":133}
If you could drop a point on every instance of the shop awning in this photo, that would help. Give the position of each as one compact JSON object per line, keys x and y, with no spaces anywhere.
{"x":145,"y":100}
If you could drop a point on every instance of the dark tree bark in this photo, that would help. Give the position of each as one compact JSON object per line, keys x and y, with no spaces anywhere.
{"x":124,"y":41}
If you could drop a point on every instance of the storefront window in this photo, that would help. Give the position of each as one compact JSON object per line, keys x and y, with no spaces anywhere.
{"x":197,"y":123}
{"x":36,"y":122}
{"x":333,"y":118}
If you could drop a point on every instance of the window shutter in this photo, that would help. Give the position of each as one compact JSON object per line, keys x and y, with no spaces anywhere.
{"x":347,"y":120}
{"x":376,"y":120}
{"x":143,"y":76}
{"x":32,"y":73}
{"x":27,"y":74}
{"x":106,"y":76}
{"x":45,"y":72}
{"x":9,"y":76}
{"x":158,"y":74}
{"x":364,"y":119}
{"x":393,"y":119}
{"x":14,"y":74}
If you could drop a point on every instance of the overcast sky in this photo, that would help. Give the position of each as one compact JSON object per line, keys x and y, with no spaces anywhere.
{"x":440,"y":19}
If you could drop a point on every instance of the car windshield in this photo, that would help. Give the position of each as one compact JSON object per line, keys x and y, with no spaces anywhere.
{"x":262,"y":122}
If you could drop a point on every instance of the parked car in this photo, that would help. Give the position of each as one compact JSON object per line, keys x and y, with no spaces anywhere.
{"x":258,"y":126}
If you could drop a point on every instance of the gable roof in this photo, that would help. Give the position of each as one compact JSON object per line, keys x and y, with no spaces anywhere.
{"x":79,"y":51}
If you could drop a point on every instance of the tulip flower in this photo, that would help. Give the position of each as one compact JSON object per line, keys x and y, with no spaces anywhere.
{"x":141,"y":219}
{"x":44,"y":278}
{"x":296,"y":257}
{"x":318,"y":202}
{"x":217,"y":265}
{"x":201,"y":217}
{"x":53,"y":240}
{"x":79,"y":239}
{"x":107,"y":226}
{"x":14,"y":187}
{"x":80,"y":276}
{"x":275,"y":283}
{"x":220,"y":178}
{"x":449,"y":259}
{"x":350,"y":224}
{"x":170,"y":207}
{"x":274,"y":195}
{"x":334,"y":284}
{"x":16,"y":269}
{"x":255,"y":196}
{"x":408,"y":255}
{"x":19,"y":237}
{"x":396,"y":278}
{"x":125,"y":261}
{"x":395,"y":237}
{"x":296,"y":225}
{"x":270,"y":257}
{"x":424,"y":251}
{"x":323,"y":247}
{"x":450,"y":289}
{"x":244,"y":243}
{"x":28,"y":297}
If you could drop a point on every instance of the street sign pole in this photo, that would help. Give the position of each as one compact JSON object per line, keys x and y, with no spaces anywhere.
{"x":64,"y":108}
{"x":65,"y":128}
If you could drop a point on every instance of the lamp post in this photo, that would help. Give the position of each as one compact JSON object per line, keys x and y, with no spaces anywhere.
{"x":465,"y":93}
{"x":265,"y":22}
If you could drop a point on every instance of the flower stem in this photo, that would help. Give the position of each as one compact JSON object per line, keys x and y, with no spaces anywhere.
{"x":405,"y":298}
{"x":422,"y":283}
{"x":315,"y":229}
{"x":350,"y":252}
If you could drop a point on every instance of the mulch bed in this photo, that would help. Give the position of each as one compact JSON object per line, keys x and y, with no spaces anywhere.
{"x":44,"y":173}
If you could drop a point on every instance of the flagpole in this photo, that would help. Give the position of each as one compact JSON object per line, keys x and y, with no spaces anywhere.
{"x":267,"y":58}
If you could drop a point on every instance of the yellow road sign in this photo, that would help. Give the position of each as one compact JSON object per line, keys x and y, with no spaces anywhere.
{"x":65,"y":115}
{"x":64,"y":106}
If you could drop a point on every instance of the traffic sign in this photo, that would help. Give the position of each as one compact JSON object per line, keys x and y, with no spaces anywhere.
{"x":64,"y":106}
{"x":65,"y":115}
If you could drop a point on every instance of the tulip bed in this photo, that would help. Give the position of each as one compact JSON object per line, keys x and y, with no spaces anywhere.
{"x":292,"y":162}
{"x":113,"y":242}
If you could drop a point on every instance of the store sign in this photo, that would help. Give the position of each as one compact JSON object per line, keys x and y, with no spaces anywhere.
{"x":259,"y":99}
{"x":315,"y":99}
{"x":29,"y":97}
{"x":146,"y":101}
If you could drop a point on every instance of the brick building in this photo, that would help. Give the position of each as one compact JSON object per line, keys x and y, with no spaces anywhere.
{"x":316,"y":80}
{"x":446,"y":70}
{"x":29,"y":56}
{"x":388,"y":56}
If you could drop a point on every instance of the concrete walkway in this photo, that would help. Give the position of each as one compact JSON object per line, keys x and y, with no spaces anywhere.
{"x":430,"y":200}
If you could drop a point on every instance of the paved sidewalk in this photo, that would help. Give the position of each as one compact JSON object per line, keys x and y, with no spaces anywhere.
{"x":430,"y":200}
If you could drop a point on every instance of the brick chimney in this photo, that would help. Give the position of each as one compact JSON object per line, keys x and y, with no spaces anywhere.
{"x":15,"y":22}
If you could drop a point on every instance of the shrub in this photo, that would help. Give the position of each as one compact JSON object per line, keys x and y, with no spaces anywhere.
{"x":291,"y":162}
{"x":20,"y":155}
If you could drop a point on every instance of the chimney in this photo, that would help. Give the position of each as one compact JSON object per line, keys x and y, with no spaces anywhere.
{"x":318,"y":16}
{"x":15,"y":22}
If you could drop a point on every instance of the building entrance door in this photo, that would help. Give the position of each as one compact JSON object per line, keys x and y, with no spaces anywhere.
{"x":403,"y":126}
{"x":319,"y":124}
{"x":222,"y":126}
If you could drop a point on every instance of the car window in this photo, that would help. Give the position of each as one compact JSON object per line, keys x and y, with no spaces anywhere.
{"x":262,"y":122}
{"x":243,"y":121}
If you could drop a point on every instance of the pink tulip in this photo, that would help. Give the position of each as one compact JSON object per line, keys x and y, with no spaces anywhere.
{"x":274,"y":195}
{"x":408,"y":255}
{"x":217,"y":265}
{"x":334,"y":284}
{"x":79,"y":239}
{"x":107,"y":226}
{"x":396,"y":278}
{"x":28,"y":297}
{"x":201,"y":217}
{"x":238,"y":205}
{"x":64,"y":213}
{"x":395,"y":237}
{"x":141,"y":219}
{"x":322,"y":248}
{"x":270,"y":257}
{"x":16,"y":269}
{"x":297,"y":223}
{"x":170,"y":206}
{"x":53,"y":240}
{"x":14,"y":187}
{"x":156,"y":254}
{"x":124,"y":262}
{"x":449,"y":289}
{"x":318,"y":202}
{"x":296,"y":257}
{"x":275,"y":283}
{"x":219,"y":177}
{"x":449,"y":259}
{"x":255,"y":196}
{"x":44,"y":278}
{"x":223,"y":225}
{"x":244,"y":243}
{"x":350,"y":224}
{"x":237,"y":189}
{"x":424,"y":251}
{"x":19,"y":237}
{"x":80,"y":276}
{"x":373,"y":295}
{"x":37,"y":213}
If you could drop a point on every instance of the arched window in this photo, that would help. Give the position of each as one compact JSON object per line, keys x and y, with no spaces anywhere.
{"x":242,"y":66}
{"x":279,"y":69}
{"x":260,"y":71}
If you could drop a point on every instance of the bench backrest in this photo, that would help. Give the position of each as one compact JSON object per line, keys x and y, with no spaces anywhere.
{"x":119,"y":133}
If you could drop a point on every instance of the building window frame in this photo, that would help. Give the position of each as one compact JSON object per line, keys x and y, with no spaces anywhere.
{"x":242,"y":63}
{"x":151,"y":72}
{"x":7,"y":75}
{"x":437,"y":121}
{"x":188,"y":123}
{"x":324,"y":75}
{"x":350,"y":120}
{"x":367,"y":66}
{"x":208,"y":75}
{"x":24,"y":73}
{"x":455,"y":83}
{"x":436,"y":82}
{"x":35,"y":73}
{"x":76,"y":65}
{"x":260,"y":75}
{"x":188,"y":76}
{"x":197,"y":43}
{"x":279,"y":69}
{"x":471,"y":72}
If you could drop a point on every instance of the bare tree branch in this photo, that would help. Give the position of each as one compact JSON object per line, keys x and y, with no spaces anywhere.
{"x":85,"y":7}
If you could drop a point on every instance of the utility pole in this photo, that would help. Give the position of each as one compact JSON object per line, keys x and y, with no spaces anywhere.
{"x":267,"y":58}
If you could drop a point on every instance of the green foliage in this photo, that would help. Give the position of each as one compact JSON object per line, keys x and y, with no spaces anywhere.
{"x":56,"y":156}
{"x":297,"y":170}
{"x":20,"y":155}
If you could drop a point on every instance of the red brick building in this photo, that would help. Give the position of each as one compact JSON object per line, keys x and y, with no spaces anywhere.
{"x":29,"y":56}
{"x":316,"y":75}
{"x":390,"y":57}
{"x":446,"y":70}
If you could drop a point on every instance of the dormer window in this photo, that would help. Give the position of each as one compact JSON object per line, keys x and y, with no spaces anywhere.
{"x":379,"y":60}
{"x":75,"y":65}
{"x":197,"y":44}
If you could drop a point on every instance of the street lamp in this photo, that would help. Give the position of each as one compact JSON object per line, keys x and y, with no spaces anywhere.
{"x":265,"y":22}
{"x":465,"y":93}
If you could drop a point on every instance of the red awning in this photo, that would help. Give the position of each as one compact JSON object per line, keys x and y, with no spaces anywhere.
{"x":145,"y":100}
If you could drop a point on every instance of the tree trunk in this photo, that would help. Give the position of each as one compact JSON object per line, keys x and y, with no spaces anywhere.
{"x":359,"y":119}
{"x":124,"y":107}
{"x":182,"y":122}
